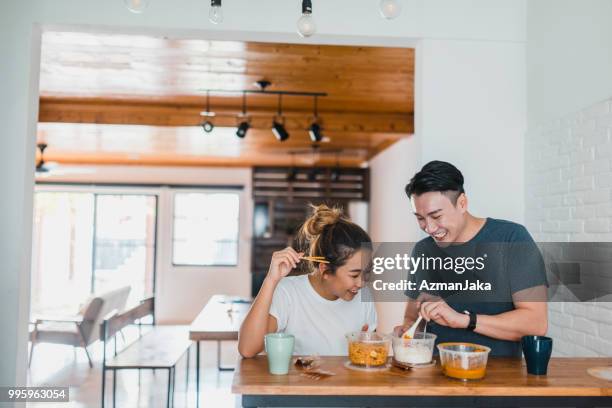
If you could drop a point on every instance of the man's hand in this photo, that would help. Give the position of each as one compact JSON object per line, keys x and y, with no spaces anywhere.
{"x":440,"y":312}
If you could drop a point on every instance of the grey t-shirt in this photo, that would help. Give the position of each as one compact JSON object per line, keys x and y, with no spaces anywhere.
{"x":511,"y":262}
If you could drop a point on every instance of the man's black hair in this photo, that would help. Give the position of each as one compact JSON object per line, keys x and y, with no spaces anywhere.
{"x":437,"y":176}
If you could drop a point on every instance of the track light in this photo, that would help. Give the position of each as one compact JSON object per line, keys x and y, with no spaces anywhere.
{"x":390,"y":9}
{"x":243,"y":128}
{"x":315,"y":131}
{"x":306,"y":25}
{"x":208,"y":126}
{"x":279,"y":131}
{"x":278,"y":128}
{"x":136,"y":6}
{"x":215,"y":15}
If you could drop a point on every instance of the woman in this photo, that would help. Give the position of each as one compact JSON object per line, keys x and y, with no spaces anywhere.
{"x":318,"y":308}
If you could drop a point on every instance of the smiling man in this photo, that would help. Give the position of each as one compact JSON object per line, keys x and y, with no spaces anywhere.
{"x":511,"y":264}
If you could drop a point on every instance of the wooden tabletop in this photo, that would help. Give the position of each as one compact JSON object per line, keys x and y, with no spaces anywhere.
{"x":220,"y":319}
{"x":505,"y":377}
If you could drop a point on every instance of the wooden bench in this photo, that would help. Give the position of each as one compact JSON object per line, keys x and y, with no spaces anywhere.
{"x":162,"y":347}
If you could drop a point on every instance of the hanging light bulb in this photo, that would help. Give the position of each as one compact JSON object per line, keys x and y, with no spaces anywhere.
{"x":306,"y":25}
{"x":390,"y":9}
{"x":215,"y":15}
{"x":136,"y":6}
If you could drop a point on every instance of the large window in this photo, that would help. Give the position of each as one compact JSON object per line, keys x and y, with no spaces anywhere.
{"x":87,"y":243}
{"x":205,"y":229}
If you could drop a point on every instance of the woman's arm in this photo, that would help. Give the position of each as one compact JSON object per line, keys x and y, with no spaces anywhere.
{"x":258,"y":322}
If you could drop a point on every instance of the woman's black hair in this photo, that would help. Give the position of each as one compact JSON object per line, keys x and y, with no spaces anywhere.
{"x":332,"y":235}
{"x":437,"y":176}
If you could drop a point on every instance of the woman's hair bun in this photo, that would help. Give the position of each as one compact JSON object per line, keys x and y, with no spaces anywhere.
{"x":321,"y":217}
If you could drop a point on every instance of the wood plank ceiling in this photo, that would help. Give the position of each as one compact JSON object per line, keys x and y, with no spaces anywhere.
{"x":126,"y":99}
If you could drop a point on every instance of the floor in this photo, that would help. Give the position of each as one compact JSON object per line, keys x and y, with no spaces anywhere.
{"x":57,"y":365}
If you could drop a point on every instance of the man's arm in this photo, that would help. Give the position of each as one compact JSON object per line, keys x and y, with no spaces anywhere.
{"x":530,"y":316}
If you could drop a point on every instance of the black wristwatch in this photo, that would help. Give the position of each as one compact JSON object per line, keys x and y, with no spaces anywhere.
{"x":472,"y":324}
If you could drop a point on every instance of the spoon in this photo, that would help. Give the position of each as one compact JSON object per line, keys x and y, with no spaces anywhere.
{"x":410,"y":332}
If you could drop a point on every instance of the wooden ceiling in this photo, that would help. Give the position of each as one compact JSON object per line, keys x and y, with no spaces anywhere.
{"x":108,"y":99}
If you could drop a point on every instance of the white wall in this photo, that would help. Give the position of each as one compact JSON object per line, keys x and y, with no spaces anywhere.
{"x":569,"y":56}
{"x":569,"y":185}
{"x":473,"y":115}
{"x":339,"y":21}
{"x":569,"y":150}
{"x":391,"y":219}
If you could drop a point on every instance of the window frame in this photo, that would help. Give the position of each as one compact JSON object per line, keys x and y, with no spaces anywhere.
{"x":205,"y":190}
{"x":105,"y":190}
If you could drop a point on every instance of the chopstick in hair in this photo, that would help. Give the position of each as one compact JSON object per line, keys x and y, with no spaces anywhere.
{"x":315,"y":259}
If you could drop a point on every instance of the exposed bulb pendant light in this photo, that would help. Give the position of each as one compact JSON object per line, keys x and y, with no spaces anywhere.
{"x":390,"y":9}
{"x":136,"y":6}
{"x":215,"y":15}
{"x":306,"y":25}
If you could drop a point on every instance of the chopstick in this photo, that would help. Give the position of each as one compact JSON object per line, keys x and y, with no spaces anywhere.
{"x":316,"y":259}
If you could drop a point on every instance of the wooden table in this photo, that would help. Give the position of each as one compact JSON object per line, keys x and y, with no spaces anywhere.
{"x":506,"y":384}
{"x":219,"y":320}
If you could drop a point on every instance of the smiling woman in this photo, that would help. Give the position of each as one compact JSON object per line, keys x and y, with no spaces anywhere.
{"x":318,"y":308}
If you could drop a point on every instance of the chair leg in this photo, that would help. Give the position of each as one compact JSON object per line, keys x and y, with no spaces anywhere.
{"x":103,"y":385}
{"x":169,"y":386}
{"x":88,"y":357}
{"x":187,"y":370}
{"x":173,"y":384}
{"x":31,"y":353}
{"x":114,"y":387}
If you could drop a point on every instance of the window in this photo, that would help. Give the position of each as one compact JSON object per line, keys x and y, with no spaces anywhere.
{"x":85,"y":243}
{"x":205,"y":229}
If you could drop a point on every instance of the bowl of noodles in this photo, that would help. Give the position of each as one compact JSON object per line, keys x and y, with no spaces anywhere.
{"x":368,"y":349}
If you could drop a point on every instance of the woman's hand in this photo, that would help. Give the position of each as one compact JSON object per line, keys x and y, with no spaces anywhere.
{"x":282,"y":263}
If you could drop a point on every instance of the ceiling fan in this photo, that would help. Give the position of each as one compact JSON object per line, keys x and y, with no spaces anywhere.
{"x":43,"y":166}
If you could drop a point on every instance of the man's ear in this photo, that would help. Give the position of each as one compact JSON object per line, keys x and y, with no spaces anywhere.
{"x":462,"y":202}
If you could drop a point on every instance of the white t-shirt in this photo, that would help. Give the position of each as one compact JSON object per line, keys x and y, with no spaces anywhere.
{"x":319,"y":325}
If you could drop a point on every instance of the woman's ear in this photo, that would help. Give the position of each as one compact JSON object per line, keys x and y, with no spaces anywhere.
{"x":323,"y":269}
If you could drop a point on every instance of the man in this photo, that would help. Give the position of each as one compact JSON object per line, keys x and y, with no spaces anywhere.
{"x":508,"y":258}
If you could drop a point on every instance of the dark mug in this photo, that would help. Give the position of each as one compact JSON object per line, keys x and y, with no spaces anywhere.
{"x":537,"y":350}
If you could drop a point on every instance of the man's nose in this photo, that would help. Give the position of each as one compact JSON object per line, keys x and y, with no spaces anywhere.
{"x":429,"y":227}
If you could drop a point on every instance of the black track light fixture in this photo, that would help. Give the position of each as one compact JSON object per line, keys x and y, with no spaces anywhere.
{"x":242,"y":130}
{"x":208,"y":126}
{"x":279,"y":131}
{"x":278,"y":128}
{"x":315,"y":131}
{"x":244,"y":125}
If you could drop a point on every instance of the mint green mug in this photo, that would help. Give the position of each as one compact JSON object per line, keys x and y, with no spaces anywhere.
{"x":279,"y":347}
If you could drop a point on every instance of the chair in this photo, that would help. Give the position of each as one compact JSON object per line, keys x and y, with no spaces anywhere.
{"x":80,"y":330}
